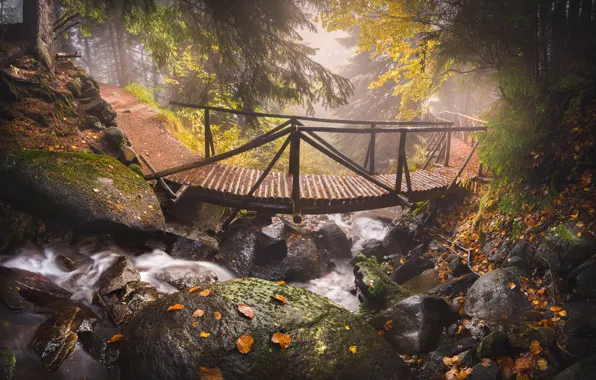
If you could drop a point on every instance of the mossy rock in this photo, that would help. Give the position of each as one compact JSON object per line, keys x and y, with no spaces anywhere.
{"x":7,"y":363}
{"x":162,"y":344}
{"x":79,"y":190}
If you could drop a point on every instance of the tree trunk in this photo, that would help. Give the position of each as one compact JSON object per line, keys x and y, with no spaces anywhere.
{"x":36,"y":30}
{"x":121,"y":41}
{"x":113,"y":44}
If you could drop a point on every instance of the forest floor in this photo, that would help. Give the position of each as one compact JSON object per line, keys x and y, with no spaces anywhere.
{"x":147,"y":132}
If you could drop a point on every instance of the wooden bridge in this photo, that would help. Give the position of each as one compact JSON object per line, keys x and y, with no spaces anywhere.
{"x":297,"y":193}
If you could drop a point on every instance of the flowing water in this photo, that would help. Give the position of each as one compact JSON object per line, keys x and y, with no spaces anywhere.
{"x":336,"y":285}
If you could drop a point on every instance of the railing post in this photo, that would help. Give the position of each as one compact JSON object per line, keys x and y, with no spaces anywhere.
{"x":373,"y":138}
{"x":207,"y":135}
{"x":295,"y":171}
{"x":448,"y":149}
{"x":401,"y":155}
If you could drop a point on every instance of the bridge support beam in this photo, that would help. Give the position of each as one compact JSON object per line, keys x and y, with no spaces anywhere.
{"x":295,"y":172}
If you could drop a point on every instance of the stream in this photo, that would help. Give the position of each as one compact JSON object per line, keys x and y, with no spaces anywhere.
{"x":93,"y":259}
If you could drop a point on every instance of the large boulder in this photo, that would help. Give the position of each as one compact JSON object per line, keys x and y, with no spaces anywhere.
{"x":579,"y":331}
{"x":333,"y":241}
{"x":118,"y":274}
{"x":414,"y":325}
{"x":584,"y":278}
{"x":249,"y":252}
{"x":195,"y":247}
{"x":79,"y":190}
{"x":55,"y":339}
{"x":455,"y":286}
{"x":562,"y":250}
{"x":493,"y":298}
{"x":21,"y":290}
{"x":398,"y":240}
{"x":102,"y":110}
{"x":327,"y":342}
{"x":411,"y":268}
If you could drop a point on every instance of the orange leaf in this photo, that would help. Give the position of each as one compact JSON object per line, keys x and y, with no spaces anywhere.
{"x":116,"y":338}
{"x":353,"y":349}
{"x":388,"y":325}
{"x":198,"y":313}
{"x":451,"y":361}
{"x":555,"y":308}
{"x":246,"y":310}
{"x":511,"y":285}
{"x":281,"y":299}
{"x":562,"y":313}
{"x":282,"y":282}
{"x":244,"y":343}
{"x":195,"y":324}
{"x":535,"y":348}
{"x":204,"y":293}
{"x":176,"y":307}
{"x":211,"y":373}
{"x":204,"y":334}
{"x":194,"y":289}
{"x":282,"y":339}
{"x":217,"y":315}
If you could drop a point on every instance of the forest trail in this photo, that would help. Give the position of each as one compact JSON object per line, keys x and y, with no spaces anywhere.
{"x":147,"y":133}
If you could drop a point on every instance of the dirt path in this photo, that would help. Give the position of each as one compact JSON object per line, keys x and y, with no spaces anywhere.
{"x":145,"y":130}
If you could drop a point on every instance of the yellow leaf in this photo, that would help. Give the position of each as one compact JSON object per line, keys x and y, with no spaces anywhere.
{"x":176,"y":307}
{"x":204,"y":334}
{"x":542,"y":364}
{"x":353,"y":349}
{"x":535,"y":348}
{"x":194,"y":289}
{"x":282,"y":339}
{"x":198,"y":313}
{"x":246,"y":310}
{"x":451,"y":361}
{"x":562,"y":313}
{"x":116,"y":338}
{"x":204,"y":293}
{"x":244,"y":343}
{"x":279,"y":298}
{"x":347,"y":327}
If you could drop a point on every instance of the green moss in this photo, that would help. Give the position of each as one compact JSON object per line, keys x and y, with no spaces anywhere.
{"x":7,"y":357}
{"x":565,"y":235}
{"x":137,"y":169}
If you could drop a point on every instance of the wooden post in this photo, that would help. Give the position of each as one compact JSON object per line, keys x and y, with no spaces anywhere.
{"x":401,"y":154}
{"x":407,"y":173}
{"x":295,"y":171}
{"x":207,"y":135}
{"x":448,"y":149}
{"x":373,"y":137}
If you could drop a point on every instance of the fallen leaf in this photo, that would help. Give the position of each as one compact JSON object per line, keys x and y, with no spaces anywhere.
{"x":204,"y":334}
{"x":282,"y":339}
{"x":535,"y":348}
{"x":116,"y":338}
{"x":460,"y":329}
{"x":96,"y":190}
{"x":451,"y":361}
{"x":563,"y":313}
{"x":194,"y":289}
{"x":217,"y":315}
{"x":246,"y":310}
{"x":281,"y":299}
{"x":211,"y":373}
{"x":511,"y":285}
{"x":542,"y":364}
{"x":282,"y":282}
{"x":176,"y":307}
{"x":381,"y":332}
{"x":204,"y":293}
{"x":486,"y":362}
{"x":353,"y":349}
{"x":195,"y":324}
{"x":555,"y":308}
{"x":388,"y":325}
{"x":198,"y":313}
{"x":522,"y":364}
{"x":347,"y":327}
{"x":244,"y":343}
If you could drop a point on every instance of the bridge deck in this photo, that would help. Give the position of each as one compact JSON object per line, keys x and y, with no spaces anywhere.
{"x":228,"y":185}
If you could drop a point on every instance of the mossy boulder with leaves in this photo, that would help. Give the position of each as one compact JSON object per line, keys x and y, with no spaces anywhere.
{"x":372,"y":278}
{"x":326,"y":341}
{"x":79,"y":190}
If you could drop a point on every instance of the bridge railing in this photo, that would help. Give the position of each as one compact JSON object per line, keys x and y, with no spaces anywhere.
{"x":296,"y":132}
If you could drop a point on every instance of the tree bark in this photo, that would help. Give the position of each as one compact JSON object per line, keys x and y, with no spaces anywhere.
{"x":113,"y":44}
{"x":121,"y":43}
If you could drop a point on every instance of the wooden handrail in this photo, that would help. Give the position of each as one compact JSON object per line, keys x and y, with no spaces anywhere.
{"x":304,"y":118}
{"x":391,"y":130}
